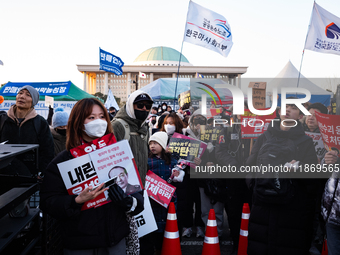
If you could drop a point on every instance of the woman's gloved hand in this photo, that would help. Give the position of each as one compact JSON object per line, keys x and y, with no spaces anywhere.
{"x":118,"y":196}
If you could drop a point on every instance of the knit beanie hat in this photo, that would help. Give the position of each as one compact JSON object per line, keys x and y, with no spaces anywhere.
{"x":33,"y":92}
{"x":60,"y":117}
{"x":161,"y":138}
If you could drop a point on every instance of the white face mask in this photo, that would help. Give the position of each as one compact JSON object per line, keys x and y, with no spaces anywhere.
{"x":164,"y":107}
{"x":170,"y":129}
{"x":96,"y":128}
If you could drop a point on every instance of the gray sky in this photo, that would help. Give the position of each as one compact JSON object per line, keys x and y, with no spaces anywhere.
{"x":43,"y":40}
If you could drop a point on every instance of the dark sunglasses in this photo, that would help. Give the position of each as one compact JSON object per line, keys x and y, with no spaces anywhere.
{"x":141,"y":106}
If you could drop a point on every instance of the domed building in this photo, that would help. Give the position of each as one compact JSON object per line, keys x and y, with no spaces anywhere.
{"x":161,"y":56}
{"x":154,"y":63}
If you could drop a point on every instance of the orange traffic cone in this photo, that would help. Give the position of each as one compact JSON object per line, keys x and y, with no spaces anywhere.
{"x":211,"y":243}
{"x":243,"y":241}
{"x":171,"y":242}
{"x":324,"y":248}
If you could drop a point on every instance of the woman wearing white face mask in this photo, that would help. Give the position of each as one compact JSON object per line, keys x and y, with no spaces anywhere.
{"x":172,"y":123}
{"x":100,"y":230}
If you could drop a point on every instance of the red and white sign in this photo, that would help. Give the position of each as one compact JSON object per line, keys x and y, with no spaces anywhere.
{"x":158,"y":189}
{"x":78,"y":174}
{"x":94,"y":145}
{"x":252,"y":126}
{"x":329,"y":126}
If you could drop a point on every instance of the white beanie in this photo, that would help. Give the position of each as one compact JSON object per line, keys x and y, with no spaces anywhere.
{"x":160,"y":137}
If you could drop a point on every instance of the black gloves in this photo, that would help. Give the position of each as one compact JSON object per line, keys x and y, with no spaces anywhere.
{"x":118,"y":196}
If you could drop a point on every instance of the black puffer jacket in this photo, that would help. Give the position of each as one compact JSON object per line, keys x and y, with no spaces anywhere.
{"x":103,"y":226}
{"x":284,"y":228}
{"x":31,"y":130}
{"x":59,"y":141}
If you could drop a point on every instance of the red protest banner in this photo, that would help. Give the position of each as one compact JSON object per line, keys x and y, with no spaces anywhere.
{"x":158,"y":189}
{"x":329,"y":126}
{"x":94,"y":145}
{"x":254,"y":125}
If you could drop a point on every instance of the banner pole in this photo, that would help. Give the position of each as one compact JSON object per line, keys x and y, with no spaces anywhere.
{"x":180,"y":57}
{"x":179,"y":64}
{"x":303,"y":52}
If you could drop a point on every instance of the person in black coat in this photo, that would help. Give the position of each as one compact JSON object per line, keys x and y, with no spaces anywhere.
{"x":98,"y":230}
{"x":284,"y":228}
{"x":22,"y":125}
{"x":232,"y":150}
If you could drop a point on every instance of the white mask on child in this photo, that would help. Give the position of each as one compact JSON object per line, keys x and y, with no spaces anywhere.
{"x":170,"y":129}
{"x":96,"y":128}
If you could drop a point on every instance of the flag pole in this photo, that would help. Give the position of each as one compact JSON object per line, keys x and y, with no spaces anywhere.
{"x":179,"y":64}
{"x":180,"y":57}
{"x":303,"y":52}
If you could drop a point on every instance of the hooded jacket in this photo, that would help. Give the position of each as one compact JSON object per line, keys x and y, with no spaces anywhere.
{"x":25,"y":132}
{"x":138,"y":143}
{"x":59,"y":141}
{"x":284,"y":228}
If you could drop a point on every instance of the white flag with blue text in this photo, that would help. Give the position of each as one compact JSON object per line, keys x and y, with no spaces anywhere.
{"x":324,"y":32}
{"x":208,"y":29}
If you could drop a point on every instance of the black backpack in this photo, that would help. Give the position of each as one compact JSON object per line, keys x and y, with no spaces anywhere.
{"x":275,"y":187}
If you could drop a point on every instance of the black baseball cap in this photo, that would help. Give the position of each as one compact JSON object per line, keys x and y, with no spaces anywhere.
{"x":143,"y":97}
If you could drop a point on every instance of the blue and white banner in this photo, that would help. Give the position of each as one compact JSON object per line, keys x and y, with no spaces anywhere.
{"x":208,"y":29}
{"x":44,"y":88}
{"x":324,"y":32}
{"x":40,"y":107}
{"x":110,"y":63}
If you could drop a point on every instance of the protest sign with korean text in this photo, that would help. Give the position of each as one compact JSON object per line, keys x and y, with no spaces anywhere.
{"x":145,"y":220}
{"x":158,"y":189}
{"x":94,"y":145}
{"x":318,"y":144}
{"x":110,"y":63}
{"x":252,"y":125}
{"x":78,"y":174}
{"x":49,"y":101}
{"x":187,"y":148}
{"x":210,"y":134}
{"x":184,"y":98}
{"x":116,"y":160}
{"x":329,"y":126}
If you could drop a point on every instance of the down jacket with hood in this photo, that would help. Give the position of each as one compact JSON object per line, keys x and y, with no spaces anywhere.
{"x":25,"y":132}
{"x":138,"y":143}
{"x":276,"y":229}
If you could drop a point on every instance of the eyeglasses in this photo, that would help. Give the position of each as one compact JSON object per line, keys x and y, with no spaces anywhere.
{"x":141,"y":106}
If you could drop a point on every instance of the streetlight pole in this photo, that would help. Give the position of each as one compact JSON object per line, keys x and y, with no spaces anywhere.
{"x":136,"y":81}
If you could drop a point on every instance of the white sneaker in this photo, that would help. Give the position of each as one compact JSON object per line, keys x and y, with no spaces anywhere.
{"x":200,"y":232}
{"x":187,"y":232}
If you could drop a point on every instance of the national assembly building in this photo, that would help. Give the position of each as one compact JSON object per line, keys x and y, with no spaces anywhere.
{"x":154,"y":63}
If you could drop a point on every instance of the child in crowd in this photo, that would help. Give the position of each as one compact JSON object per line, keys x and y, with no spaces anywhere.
{"x":160,"y":163}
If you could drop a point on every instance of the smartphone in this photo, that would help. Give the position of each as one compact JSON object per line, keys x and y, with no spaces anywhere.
{"x":108,"y":183}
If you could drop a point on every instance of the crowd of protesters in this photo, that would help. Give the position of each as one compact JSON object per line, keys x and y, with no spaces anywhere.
{"x":294,"y":221}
